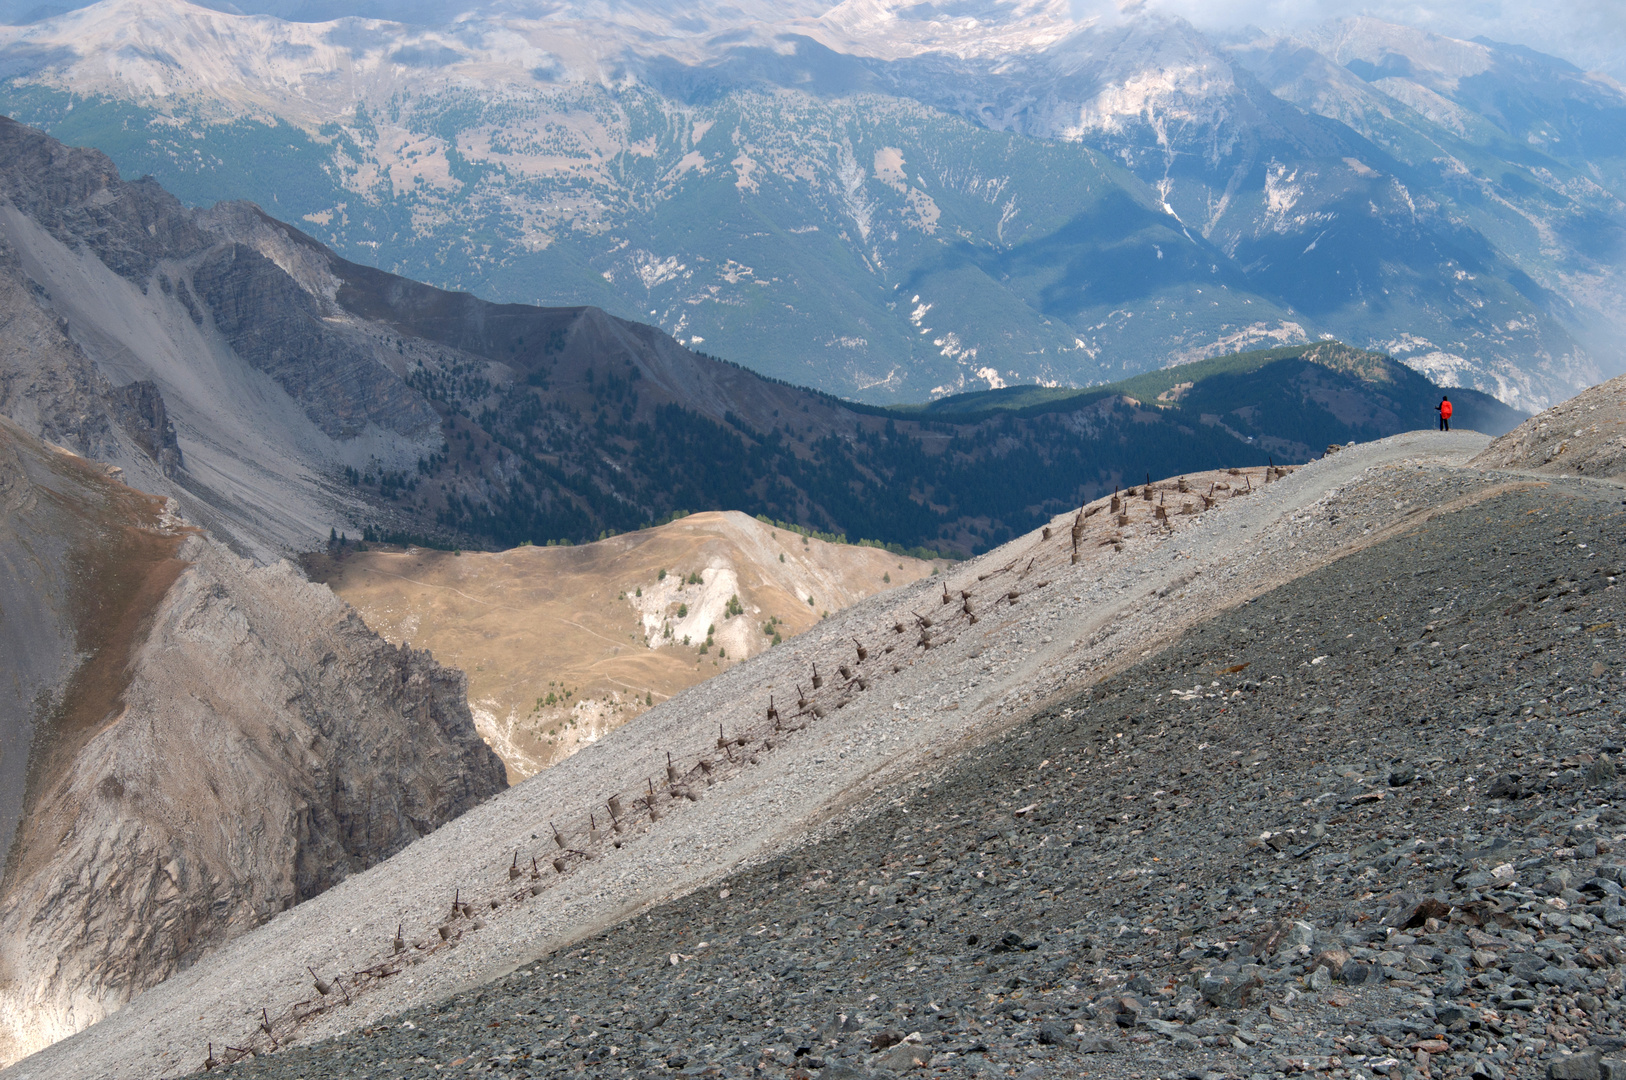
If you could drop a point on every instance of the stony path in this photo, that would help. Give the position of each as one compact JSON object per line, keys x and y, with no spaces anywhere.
{"x":923,"y":695}
{"x":1362,"y":825}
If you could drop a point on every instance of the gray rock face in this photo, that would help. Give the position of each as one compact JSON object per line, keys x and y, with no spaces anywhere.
{"x":140,"y":409}
{"x":212,"y":742}
{"x":145,"y":334}
{"x":47,"y":384}
{"x":78,"y":197}
{"x":277,"y":327}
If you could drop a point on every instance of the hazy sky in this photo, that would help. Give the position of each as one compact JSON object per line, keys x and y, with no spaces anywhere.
{"x":1589,"y":33}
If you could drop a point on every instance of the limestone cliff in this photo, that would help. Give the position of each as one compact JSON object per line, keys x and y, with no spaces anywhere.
{"x":209,"y":742}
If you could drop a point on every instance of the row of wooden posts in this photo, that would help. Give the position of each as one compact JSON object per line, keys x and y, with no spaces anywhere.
{"x":686,"y":785}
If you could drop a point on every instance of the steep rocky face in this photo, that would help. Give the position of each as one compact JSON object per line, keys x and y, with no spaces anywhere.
{"x":47,"y":384}
{"x":141,"y":333}
{"x":192,"y":743}
{"x":276,"y":326}
{"x":140,"y":409}
{"x":78,"y":198}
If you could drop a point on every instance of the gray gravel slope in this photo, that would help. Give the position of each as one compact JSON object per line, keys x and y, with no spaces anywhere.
{"x":1071,"y":624}
{"x":1365,"y":822}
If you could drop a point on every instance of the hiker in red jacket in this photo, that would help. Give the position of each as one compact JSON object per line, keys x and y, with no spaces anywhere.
{"x":1444,"y":409}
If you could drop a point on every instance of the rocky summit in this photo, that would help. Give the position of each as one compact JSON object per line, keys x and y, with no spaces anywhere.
{"x":1362,"y":824}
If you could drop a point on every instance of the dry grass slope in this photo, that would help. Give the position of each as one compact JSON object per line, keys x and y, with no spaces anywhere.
{"x":564,"y":644}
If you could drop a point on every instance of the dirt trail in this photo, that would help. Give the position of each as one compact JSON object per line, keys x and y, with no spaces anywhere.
{"x":1134,"y":587}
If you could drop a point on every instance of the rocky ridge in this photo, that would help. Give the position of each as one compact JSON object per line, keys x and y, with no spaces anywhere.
{"x":280,"y":393}
{"x":1044,"y":624}
{"x":108,"y":290}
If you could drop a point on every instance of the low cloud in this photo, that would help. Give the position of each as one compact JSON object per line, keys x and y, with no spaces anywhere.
{"x":1589,"y":33}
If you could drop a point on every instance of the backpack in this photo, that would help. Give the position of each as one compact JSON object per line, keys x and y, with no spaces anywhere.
{"x":1445,"y":409}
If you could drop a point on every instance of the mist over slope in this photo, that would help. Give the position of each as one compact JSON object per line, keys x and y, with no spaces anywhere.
{"x":892,"y":201}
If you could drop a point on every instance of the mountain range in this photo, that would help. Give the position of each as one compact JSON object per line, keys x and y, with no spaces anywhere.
{"x":894,"y":201}
{"x":283,"y":394}
{"x":1025,"y":264}
{"x":178,"y":382}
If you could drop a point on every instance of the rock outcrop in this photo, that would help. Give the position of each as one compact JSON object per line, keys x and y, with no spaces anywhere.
{"x":209,"y":742}
{"x":1584,"y":436}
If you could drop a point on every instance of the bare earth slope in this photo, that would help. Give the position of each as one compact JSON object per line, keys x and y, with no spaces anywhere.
{"x":1584,"y":436}
{"x":83,"y":561}
{"x":191,"y":743}
{"x":562,"y":645}
{"x":1043,"y":624}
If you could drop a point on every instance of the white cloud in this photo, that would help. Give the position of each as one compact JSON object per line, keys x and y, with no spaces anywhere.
{"x":1589,"y":33}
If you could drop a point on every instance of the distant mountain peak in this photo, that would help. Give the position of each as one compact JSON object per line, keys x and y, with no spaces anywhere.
{"x":1079,"y":200}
